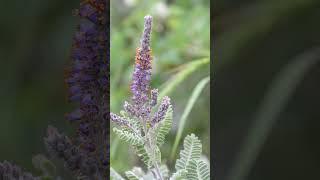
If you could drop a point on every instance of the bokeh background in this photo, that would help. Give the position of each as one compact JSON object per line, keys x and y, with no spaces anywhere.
{"x":180,"y":37}
{"x":35,"y":41}
{"x":266,"y":89}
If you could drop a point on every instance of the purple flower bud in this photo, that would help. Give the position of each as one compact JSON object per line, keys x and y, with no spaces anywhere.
{"x":160,"y":114}
{"x":74,"y":158}
{"x":154,"y":97}
{"x":129,"y":108}
{"x":118,"y":120}
{"x":146,"y":37}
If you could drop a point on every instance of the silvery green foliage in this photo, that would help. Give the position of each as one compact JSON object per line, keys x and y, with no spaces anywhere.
{"x":144,"y":126}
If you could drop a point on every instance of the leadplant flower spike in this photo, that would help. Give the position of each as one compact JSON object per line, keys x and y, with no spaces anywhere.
{"x":144,"y":124}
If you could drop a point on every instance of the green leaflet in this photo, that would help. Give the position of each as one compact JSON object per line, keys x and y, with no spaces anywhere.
{"x":157,"y":157}
{"x":192,"y":151}
{"x":129,"y":137}
{"x":179,"y":175}
{"x":164,"y":127}
{"x":143,"y":154}
{"x":135,"y":124}
{"x":198,"y":170}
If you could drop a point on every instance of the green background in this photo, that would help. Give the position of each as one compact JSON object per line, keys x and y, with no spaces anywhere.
{"x":266,"y":89}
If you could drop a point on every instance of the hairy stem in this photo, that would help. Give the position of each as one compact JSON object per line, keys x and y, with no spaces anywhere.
{"x":153,"y":155}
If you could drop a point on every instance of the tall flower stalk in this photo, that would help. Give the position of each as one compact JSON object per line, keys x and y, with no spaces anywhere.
{"x":142,"y":102}
{"x":144,"y":123}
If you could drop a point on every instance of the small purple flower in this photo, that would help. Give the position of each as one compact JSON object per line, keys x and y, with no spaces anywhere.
{"x":146,"y":37}
{"x":129,"y":109}
{"x":118,"y":120}
{"x":154,"y":97}
{"x":160,"y":114}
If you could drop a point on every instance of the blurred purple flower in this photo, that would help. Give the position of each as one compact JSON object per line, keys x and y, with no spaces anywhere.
{"x":10,"y":171}
{"x":88,"y":82}
{"x":86,"y":154}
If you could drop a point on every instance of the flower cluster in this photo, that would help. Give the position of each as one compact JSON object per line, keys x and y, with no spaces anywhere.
{"x":143,"y":99}
{"x":142,"y":71}
{"x":88,"y":81}
{"x":143,"y":136}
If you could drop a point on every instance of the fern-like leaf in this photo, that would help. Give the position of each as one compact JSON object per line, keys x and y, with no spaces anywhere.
{"x":192,"y":151}
{"x":114,"y":175}
{"x":128,"y":137}
{"x":164,"y":172}
{"x":198,"y":170}
{"x":135,"y":125}
{"x":164,"y":127}
{"x":143,"y":154}
{"x":179,"y":175}
{"x":157,"y":157}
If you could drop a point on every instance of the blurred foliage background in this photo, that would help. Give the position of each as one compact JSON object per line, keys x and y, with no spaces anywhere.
{"x":180,"y":36}
{"x":266,"y":89}
{"x":35,"y":42}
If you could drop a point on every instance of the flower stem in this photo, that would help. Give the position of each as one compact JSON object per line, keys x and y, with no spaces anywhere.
{"x":153,"y":155}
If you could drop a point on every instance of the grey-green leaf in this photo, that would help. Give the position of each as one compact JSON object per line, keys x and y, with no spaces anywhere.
{"x":192,"y":151}
{"x":179,"y":175}
{"x":128,"y":137}
{"x":164,"y":127}
{"x":198,"y":170}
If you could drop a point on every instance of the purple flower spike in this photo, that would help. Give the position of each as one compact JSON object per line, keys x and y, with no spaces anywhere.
{"x":159,"y":116}
{"x":88,"y":83}
{"x":129,"y":108}
{"x":142,"y":71}
{"x":146,"y":37}
{"x":118,"y":120}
